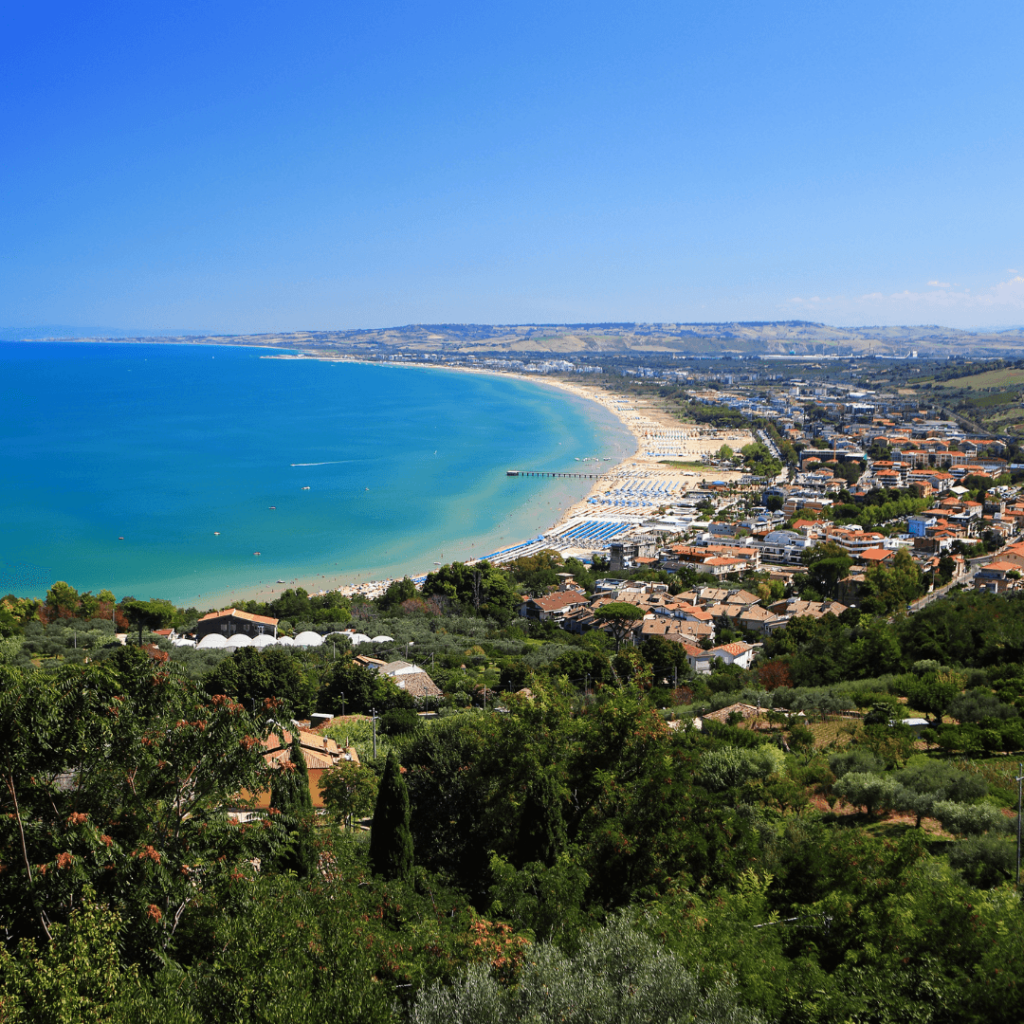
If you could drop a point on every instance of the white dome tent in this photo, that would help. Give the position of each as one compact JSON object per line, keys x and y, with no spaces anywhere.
{"x":263,"y":640}
{"x":213,"y":641}
{"x":307,"y":638}
{"x":239,"y":640}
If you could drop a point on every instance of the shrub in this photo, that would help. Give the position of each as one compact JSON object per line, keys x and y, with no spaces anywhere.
{"x":398,"y":721}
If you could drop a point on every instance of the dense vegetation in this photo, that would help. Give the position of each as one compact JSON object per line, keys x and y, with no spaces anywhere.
{"x":562,"y":855}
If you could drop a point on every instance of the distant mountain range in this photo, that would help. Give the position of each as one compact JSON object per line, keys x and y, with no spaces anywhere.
{"x":61,"y":332}
{"x":765,"y":338}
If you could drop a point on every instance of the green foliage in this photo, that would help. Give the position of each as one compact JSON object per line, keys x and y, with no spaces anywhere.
{"x":391,"y":851}
{"x":621,"y":617}
{"x":619,"y":974}
{"x":827,"y":564}
{"x":969,"y":819}
{"x":481,"y":587}
{"x":77,"y":976}
{"x":541,"y":825}
{"x":873,"y":792}
{"x":253,"y":676}
{"x":398,"y":592}
{"x":729,"y":767}
{"x":115,"y":777}
{"x":363,"y":690}
{"x":399,"y":721}
{"x":349,"y":789}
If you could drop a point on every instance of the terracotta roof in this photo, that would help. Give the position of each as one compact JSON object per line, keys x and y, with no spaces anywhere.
{"x":733,"y":649}
{"x":236,"y":613}
{"x":876,"y":554}
{"x":555,"y":602}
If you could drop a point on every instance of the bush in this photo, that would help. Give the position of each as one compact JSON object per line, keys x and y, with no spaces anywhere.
{"x":619,"y":974}
{"x":984,"y":861}
{"x":969,"y":819}
{"x":800,"y":737}
{"x":398,"y":721}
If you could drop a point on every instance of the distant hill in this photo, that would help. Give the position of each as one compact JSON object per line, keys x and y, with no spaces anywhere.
{"x":765,"y":338}
{"x":61,"y":332}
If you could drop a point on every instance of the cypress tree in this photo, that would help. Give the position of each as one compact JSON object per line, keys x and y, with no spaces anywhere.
{"x":390,"y":837}
{"x":289,"y":793}
{"x":541,"y":825}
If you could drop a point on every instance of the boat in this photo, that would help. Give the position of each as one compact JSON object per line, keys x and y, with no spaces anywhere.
{"x":273,"y":507}
{"x":120,"y":538}
{"x":280,"y":581}
{"x":305,"y":488}
{"x":255,"y":552}
{"x":216,"y":533}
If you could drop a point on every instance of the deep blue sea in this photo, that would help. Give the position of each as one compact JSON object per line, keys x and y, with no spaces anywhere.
{"x":160,"y":470}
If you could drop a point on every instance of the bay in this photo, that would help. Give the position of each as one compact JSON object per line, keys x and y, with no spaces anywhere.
{"x":161,"y":470}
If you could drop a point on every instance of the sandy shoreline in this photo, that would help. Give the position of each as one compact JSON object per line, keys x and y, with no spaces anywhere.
{"x":660,"y":438}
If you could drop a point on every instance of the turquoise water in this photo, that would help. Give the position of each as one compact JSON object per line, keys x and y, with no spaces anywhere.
{"x":168,"y":446}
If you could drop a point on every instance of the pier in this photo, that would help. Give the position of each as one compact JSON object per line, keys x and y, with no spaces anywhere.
{"x":533,"y":472}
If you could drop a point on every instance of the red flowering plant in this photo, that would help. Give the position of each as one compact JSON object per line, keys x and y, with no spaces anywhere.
{"x":116,"y":777}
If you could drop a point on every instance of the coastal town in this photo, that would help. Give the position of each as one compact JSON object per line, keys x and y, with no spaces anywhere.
{"x":805,"y":467}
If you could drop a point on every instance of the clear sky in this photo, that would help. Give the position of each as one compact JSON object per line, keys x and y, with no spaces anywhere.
{"x":259,"y":166}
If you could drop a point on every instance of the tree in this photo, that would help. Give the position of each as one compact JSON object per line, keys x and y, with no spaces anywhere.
{"x":827,"y":564}
{"x":147,"y":614}
{"x":873,"y":791}
{"x":932,"y":694}
{"x":725,"y":452}
{"x":897,"y":585}
{"x":152,"y":761}
{"x":620,"y":617}
{"x":483,"y":587}
{"x":289,"y":794}
{"x":348,"y":789}
{"x":354,"y":688}
{"x":62,"y":601}
{"x":398,"y":592}
{"x":541,"y":825}
{"x":391,"y":853}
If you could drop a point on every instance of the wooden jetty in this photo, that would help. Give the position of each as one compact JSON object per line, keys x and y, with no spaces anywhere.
{"x":533,"y":472}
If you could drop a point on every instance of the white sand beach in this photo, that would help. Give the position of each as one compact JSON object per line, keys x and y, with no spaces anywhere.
{"x":667,"y":463}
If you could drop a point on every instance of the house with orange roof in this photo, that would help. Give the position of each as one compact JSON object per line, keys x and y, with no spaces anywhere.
{"x":233,"y":621}
{"x":320,"y":753}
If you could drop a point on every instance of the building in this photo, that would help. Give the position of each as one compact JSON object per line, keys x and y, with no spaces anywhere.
{"x":232,"y":621}
{"x":411,"y":678}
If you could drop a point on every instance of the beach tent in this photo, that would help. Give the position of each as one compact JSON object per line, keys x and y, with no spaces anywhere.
{"x":213,"y":640}
{"x":307,"y":638}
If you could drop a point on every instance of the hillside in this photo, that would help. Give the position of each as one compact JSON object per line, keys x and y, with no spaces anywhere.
{"x":790,"y":337}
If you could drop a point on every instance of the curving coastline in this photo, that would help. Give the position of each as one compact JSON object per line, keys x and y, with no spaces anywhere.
{"x":659,"y":438}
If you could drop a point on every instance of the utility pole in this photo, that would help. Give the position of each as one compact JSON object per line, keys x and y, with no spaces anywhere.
{"x":373,"y":711}
{"x":1020,"y":782}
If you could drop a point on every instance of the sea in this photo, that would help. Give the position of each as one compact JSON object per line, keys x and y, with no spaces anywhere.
{"x":203,"y":474}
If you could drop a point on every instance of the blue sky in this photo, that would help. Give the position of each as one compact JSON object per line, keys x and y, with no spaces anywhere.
{"x":267,"y":166}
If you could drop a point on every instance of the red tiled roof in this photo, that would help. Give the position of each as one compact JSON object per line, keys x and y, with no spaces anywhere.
{"x":238,"y":614}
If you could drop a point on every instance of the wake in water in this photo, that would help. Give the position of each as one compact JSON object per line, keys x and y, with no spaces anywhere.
{"x":339,"y":462}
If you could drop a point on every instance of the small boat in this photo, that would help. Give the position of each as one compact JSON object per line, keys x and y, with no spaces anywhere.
{"x":216,"y":533}
{"x":305,"y":488}
{"x":273,"y":507}
{"x":255,"y":552}
{"x":120,"y":538}
{"x":280,"y":581}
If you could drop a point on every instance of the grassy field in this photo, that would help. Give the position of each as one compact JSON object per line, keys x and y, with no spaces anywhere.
{"x":683,"y":465}
{"x":989,"y":379}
